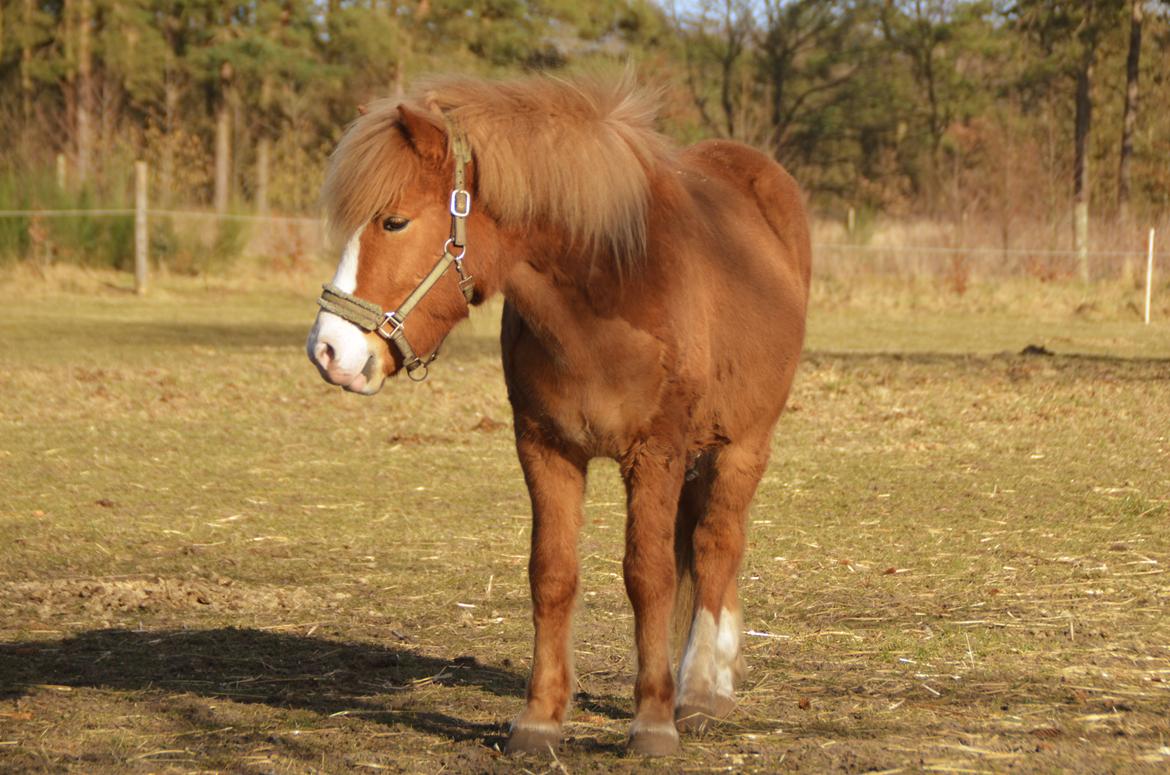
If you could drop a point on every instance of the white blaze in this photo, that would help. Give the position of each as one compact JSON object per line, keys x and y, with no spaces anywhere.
{"x":346,"y":276}
{"x":350,"y":352}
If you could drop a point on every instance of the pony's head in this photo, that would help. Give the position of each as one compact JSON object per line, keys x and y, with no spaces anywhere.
{"x":553,"y":169}
{"x":395,"y":190}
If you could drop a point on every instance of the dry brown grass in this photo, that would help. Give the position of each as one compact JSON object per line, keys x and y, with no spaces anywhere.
{"x":213,"y":562}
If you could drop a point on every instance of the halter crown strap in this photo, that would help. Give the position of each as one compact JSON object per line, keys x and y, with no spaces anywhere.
{"x":460,"y":196}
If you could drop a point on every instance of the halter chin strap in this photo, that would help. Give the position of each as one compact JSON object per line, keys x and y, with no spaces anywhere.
{"x":391,"y":325}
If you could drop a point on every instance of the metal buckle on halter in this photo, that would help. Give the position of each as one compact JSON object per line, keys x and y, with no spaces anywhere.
{"x":390,"y":317}
{"x":454,"y":206}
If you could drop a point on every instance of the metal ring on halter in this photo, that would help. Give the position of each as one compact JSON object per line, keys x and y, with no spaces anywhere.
{"x":420,"y":364}
{"x":421,"y":367}
{"x":447,"y":249}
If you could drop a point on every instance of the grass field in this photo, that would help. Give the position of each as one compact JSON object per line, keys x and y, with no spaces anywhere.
{"x":211,"y":561}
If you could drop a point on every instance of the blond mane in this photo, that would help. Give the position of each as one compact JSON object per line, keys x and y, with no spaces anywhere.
{"x":571,"y":153}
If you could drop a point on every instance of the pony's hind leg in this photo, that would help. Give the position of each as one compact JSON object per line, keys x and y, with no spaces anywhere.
{"x":556,"y":485}
{"x":712,"y":663}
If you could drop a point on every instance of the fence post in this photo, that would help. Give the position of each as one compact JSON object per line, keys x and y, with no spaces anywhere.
{"x":1149,"y":274}
{"x":141,"y":235}
{"x":1081,"y":239}
{"x":61,"y":171}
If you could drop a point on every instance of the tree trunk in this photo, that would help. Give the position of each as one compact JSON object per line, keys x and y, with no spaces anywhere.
{"x":26,"y":90}
{"x":1084,"y":122}
{"x":166,"y":170}
{"x":1129,"y":125}
{"x":84,"y":91}
{"x":263,"y":147}
{"x":725,"y":100}
{"x":263,"y":154}
{"x":728,"y":68}
{"x":223,"y":140}
{"x":778,"y":70}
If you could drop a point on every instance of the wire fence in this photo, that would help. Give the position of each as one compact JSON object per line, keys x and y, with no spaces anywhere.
{"x":939,"y":250}
{"x":942,"y":250}
{"x":286,"y":235}
{"x":958,"y":264}
{"x":128,"y":211}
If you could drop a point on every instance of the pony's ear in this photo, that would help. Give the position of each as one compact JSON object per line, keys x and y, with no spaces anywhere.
{"x":424,"y":132}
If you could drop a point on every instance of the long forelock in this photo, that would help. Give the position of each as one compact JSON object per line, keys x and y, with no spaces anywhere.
{"x":370,"y":168}
{"x":577,"y":154}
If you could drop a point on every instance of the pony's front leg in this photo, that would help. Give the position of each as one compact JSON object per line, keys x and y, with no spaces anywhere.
{"x":653,"y":484}
{"x":556,"y":485}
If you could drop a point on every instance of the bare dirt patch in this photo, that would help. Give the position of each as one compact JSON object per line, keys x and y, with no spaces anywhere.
{"x":121,"y":596}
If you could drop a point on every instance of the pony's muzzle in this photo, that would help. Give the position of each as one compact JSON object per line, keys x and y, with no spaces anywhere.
{"x":342,"y":355}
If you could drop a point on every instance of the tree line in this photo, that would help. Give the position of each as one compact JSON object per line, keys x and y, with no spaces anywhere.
{"x":1009,"y":111}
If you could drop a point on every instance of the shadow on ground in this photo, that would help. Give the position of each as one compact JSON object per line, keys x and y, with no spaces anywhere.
{"x":225,"y":336}
{"x":250,"y":335}
{"x":256,"y":666}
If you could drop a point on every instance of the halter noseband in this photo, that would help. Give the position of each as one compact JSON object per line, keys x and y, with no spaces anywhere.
{"x":391,"y":325}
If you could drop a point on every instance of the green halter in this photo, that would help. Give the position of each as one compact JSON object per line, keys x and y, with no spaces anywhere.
{"x":391,"y":325}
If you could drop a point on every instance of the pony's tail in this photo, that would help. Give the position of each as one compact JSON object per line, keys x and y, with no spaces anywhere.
{"x":691,"y":505}
{"x":684,"y":598}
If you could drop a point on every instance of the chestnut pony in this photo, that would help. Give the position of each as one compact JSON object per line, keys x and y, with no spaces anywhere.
{"x":654,"y":314}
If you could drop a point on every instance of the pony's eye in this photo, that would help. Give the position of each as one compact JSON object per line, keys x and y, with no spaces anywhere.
{"x":395,"y":223}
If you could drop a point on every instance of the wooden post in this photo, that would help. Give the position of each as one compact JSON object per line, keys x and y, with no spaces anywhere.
{"x":1149,"y":274}
{"x":141,"y":235}
{"x":1081,"y":239}
{"x":61,"y":180}
{"x":850,"y":221}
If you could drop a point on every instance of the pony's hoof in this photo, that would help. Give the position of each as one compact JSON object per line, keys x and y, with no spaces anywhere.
{"x":653,"y":740}
{"x":692,"y":719}
{"x":698,"y":717}
{"x":533,"y":737}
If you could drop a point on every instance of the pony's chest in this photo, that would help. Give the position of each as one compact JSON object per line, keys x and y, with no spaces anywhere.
{"x":599,"y":395}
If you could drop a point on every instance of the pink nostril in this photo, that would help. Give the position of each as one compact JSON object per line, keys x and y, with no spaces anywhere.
{"x":324,"y":354}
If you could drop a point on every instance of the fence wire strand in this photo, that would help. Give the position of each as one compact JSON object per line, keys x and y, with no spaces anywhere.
{"x":151,"y":211}
{"x":837,"y":247}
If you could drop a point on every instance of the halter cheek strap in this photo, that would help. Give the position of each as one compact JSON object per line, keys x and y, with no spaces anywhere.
{"x":391,"y":325}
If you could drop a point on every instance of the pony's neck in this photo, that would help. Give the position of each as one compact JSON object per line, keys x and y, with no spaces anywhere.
{"x":556,"y":289}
